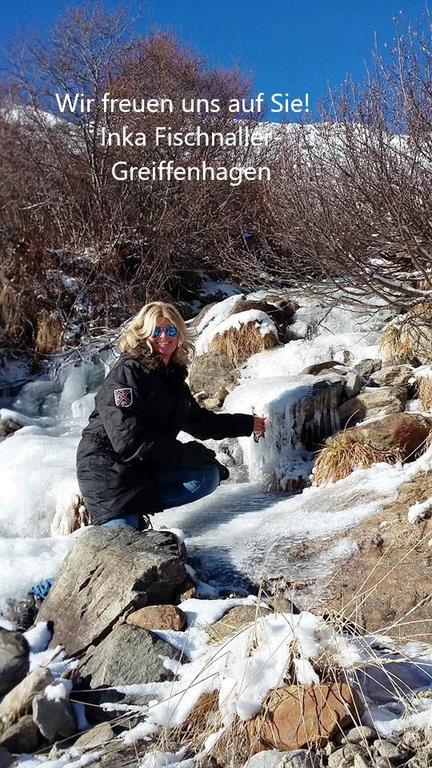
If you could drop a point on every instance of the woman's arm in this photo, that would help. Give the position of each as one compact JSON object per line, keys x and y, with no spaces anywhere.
{"x":204,"y":424}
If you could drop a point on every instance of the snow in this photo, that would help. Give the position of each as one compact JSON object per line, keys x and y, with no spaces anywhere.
{"x":38,"y":637}
{"x":58,"y":690}
{"x":290,"y":359}
{"x":239,"y":536}
{"x":25,"y":562}
{"x":419,"y":510}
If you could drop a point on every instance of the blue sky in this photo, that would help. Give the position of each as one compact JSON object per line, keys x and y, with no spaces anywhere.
{"x":290,"y":46}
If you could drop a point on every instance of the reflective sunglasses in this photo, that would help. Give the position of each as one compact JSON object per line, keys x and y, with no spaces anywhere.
{"x":169,"y":330}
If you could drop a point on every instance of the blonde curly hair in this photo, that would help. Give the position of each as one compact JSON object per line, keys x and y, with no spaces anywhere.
{"x":135,"y":339}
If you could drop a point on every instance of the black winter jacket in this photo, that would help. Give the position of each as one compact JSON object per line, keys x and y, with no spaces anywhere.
{"x":131,"y":434}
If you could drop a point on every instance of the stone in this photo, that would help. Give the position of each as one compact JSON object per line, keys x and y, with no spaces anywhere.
{"x":210,"y":372}
{"x":273,"y":758}
{"x":21,"y":737}
{"x":344,"y":757}
{"x":392,"y":376}
{"x":95,"y":737}
{"x":128,"y":656}
{"x":23,"y":612}
{"x":297,"y":717}
{"x":368,"y":366}
{"x":406,"y":432}
{"x":158,"y":617}
{"x":353,"y":384}
{"x":54,"y":718}
{"x":328,"y":367}
{"x":19,"y":699}
{"x":372,"y":403}
{"x":108,"y":572}
{"x":360,"y":734}
{"x":390,"y":751}
{"x":361,"y":762}
{"x":14,"y":659}
{"x":234,"y":620}
{"x":6,"y":758}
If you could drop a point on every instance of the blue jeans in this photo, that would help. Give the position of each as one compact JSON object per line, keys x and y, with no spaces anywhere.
{"x":178,"y":486}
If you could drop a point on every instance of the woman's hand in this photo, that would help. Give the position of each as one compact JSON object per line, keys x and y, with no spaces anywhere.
{"x":259,"y":426}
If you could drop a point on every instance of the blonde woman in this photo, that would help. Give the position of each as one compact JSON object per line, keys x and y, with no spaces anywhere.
{"x":129,"y":462}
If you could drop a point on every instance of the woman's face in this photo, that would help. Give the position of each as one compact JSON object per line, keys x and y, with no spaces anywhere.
{"x":163,"y":344}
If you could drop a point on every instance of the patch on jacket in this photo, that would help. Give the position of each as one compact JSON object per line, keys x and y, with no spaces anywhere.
{"x":123,"y":397}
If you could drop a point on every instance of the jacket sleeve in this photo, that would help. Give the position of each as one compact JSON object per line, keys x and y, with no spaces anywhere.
{"x":127,"y":408}
{"x":204,"y":424}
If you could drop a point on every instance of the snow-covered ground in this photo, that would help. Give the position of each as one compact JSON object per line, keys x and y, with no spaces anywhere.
{"x":240,"y":534}
{"x":237,"y":537}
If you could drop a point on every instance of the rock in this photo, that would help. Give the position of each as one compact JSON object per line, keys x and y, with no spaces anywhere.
{"x":361,"y":762}
{"x":128,"y":655}
{"x":23,"y":612}
{"x":234,"y":620}
{"x":22,"y":736}
{"x":55,"y":719}
{"x":14,"y":659}
{"x":188,"y":591}
{"x":18,"y":700}
{"x":296,"y":717}
{"x":108,"y":572}
{"x":390,"y":751}
{"x":6,"y":758}
{"x":353,"y":384}
{"x":210,"y":372}
{"x":375,"y":402}
{"x":392,"y":376}
{"x":273,"y":758}
{"x":95,"y":737}
{"x":328,"y":367}
{"x":405,"y":431}
{"x":367,"y":366}
{"x":360,"y":734}
{"x":281,"y":313}
{"x":158,"y":617}
{"x":344,"y":757}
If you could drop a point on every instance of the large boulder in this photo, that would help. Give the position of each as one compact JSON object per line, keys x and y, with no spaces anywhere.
{"x":399,"y":436}
{"x":297,"y":717}
{"x":372,"y":404}
{"x":22,"y":736}
{"x":108,"y":572}
{"x":392,"y":376}
{"x":407,"y":432}
{"x":14,"y":659}
{"x":211,"y":372}
{"x":128,"y":656}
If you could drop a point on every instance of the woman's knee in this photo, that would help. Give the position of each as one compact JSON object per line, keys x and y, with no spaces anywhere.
{"x":211,"y":479}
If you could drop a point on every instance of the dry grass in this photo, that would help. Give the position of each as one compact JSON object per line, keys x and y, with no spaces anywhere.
{"x":425,"y":393}
{"x":345,"y":452}
{"x":50,"y":332}
{"x":395,"y":344}
{"x":15,"y":315}
{"x":240,"y":343}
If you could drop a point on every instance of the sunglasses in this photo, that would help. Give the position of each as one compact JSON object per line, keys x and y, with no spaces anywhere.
{"x":169,"y":330}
